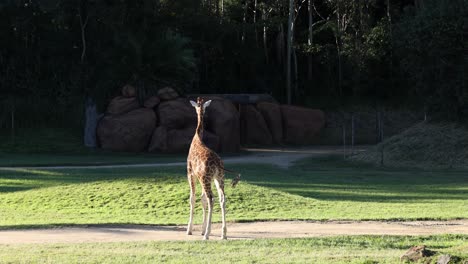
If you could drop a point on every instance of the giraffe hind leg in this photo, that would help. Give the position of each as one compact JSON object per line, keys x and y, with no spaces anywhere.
{"x":222,"y":202}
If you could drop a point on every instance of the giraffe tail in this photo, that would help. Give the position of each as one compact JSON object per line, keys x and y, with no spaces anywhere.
{"x":236,"y":180}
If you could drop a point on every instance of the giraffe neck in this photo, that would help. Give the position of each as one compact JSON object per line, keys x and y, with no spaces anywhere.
{"x":199,"y":130}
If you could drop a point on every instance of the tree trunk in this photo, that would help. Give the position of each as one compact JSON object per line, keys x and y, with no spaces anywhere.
{"x":255,"y":22}
{"x":222,"y":8}
{"x":389,"y":18}
{"x":288,"y":50}
{"x":92,"y":118}
{"x":280,"y":45}
{"x":244,"y":21}
{"x":310,"y":41}
{"x":340,"y":72}
{"x":265,"y":47}
{"x":338,"y":47}
{"x":83,"y":15}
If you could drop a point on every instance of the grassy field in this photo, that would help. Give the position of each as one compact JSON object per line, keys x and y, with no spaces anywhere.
{"x":333,"y":250}
{"x":315,"y":189}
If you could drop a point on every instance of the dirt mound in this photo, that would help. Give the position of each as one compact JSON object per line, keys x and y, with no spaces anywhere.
{"x":425,"y":145}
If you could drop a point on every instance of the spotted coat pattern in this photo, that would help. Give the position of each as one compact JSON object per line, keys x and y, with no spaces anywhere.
{"x":206,"y":166}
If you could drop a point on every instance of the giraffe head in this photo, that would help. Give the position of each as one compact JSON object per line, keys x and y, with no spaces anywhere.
{"x":200,"y":106}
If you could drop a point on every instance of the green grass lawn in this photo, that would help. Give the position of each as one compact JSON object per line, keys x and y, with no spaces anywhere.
{"x":342,"y":249}
{"x":315,"y":189}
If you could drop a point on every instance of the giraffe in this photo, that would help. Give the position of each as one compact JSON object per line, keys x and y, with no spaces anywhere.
{"x":204,"y":164}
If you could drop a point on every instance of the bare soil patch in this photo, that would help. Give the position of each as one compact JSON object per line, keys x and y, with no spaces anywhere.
{"x":253,"y":230}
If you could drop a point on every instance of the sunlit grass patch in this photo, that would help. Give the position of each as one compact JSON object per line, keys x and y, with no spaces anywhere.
{"x":334,"y":250}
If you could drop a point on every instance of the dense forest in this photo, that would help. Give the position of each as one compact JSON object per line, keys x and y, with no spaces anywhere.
{"x":55,"y":54}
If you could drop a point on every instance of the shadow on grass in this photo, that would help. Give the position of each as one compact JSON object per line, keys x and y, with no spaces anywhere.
{"x":14,"y":180}
{"x":323,"y":179}
{"x":330,"y":179}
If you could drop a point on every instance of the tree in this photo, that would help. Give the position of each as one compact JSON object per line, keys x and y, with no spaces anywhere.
{"x":429,"y":46}
{"x":289,"y":48}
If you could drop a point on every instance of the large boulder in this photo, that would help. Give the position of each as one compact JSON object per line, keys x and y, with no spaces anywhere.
{"x":177,"y":114}
{"x":179,"y":140}
{"x":158,"y":140}
{"x":121,"y":105}
{"x":130,"y":132}
{"x":152,"y":102}
{"x":222,"y":119}
{"x":254,"y":129}
{"x":128,"y":91}
{"x":167,"y":93}
{"x":271,"y":112}
{"x":301,"y":125}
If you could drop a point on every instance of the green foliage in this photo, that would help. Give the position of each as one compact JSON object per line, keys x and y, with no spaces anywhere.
{"x":59,"y":53}
{"x":44,"y":61}
{"x":430,"y":43}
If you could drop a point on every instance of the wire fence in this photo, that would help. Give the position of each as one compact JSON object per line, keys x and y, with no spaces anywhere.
{"x":366,"y":127}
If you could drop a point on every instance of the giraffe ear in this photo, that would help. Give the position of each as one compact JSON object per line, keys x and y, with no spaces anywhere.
{"x":193,"y":103}
{"x":206,"y":104}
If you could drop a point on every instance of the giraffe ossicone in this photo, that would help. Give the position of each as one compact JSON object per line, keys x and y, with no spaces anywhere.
{"x":206,"y":166}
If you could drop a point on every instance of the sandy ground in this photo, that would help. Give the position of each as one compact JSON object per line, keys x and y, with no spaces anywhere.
{"x":255,"y":230}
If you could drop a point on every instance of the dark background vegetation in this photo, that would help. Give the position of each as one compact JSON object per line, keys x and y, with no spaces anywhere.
{"x":55,"y":54}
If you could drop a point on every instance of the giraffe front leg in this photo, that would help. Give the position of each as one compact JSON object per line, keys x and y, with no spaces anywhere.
{"x":222,"y":201}
{"x":192,"y":208}
{"x":192,"y":205}
{"x":210,"y":213}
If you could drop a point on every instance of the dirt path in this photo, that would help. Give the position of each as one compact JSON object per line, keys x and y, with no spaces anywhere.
{"x":255,"y":230}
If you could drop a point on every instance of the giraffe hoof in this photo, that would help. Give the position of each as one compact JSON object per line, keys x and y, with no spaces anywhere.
{"x":189,"y":233}
{"x":224,"y":237}
{"x":206,"y":238}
